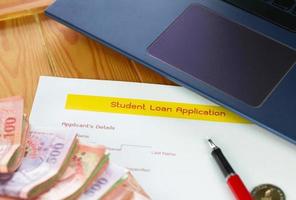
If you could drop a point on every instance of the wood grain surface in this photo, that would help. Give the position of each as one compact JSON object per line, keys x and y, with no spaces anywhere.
{"x":22,"y":58}
{"x":10,"y":9}
{"x":35,"y":45}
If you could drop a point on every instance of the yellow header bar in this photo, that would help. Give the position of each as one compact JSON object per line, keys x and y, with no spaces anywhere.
{"x":151,"y":108}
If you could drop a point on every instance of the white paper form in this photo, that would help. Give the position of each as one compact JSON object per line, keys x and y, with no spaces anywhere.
{"x":168,"y":154}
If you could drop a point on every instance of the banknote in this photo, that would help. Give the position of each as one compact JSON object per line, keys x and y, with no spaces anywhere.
{"x":47,"y":157}
{"x":88,"y":163}
{"x":128,"y":190}
{"x":20,"y":152}
{"x":12,"y":138}
{"x":113,"y":176}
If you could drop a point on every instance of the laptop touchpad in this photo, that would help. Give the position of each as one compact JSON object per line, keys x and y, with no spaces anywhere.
{"x":224,"y":54}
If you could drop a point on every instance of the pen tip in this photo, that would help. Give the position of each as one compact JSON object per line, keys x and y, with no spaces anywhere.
{"x":212,"y":144}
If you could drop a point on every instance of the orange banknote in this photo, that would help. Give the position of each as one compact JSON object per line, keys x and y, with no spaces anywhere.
{"x":128,"y":190}
{"x":88,"y":163}
{"x":13,"y":133}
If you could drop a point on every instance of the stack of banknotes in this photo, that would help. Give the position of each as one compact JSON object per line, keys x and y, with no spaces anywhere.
{"x":45,"y":164}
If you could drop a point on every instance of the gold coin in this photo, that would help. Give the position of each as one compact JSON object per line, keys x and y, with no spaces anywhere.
{"x":267,"y":192}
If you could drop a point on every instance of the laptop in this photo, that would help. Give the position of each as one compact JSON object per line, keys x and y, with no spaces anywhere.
{"x":240,"y":54}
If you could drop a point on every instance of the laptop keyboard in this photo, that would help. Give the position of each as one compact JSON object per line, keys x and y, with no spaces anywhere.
{"x":280,"y":12}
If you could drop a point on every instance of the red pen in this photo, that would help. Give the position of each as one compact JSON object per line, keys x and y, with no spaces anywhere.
{"x":233,"y":180}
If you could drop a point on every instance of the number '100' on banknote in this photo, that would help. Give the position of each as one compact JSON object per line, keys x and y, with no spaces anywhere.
{"x":13,"y":132}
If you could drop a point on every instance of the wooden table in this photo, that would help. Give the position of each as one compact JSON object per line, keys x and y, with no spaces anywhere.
{"x":31,"y":45}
